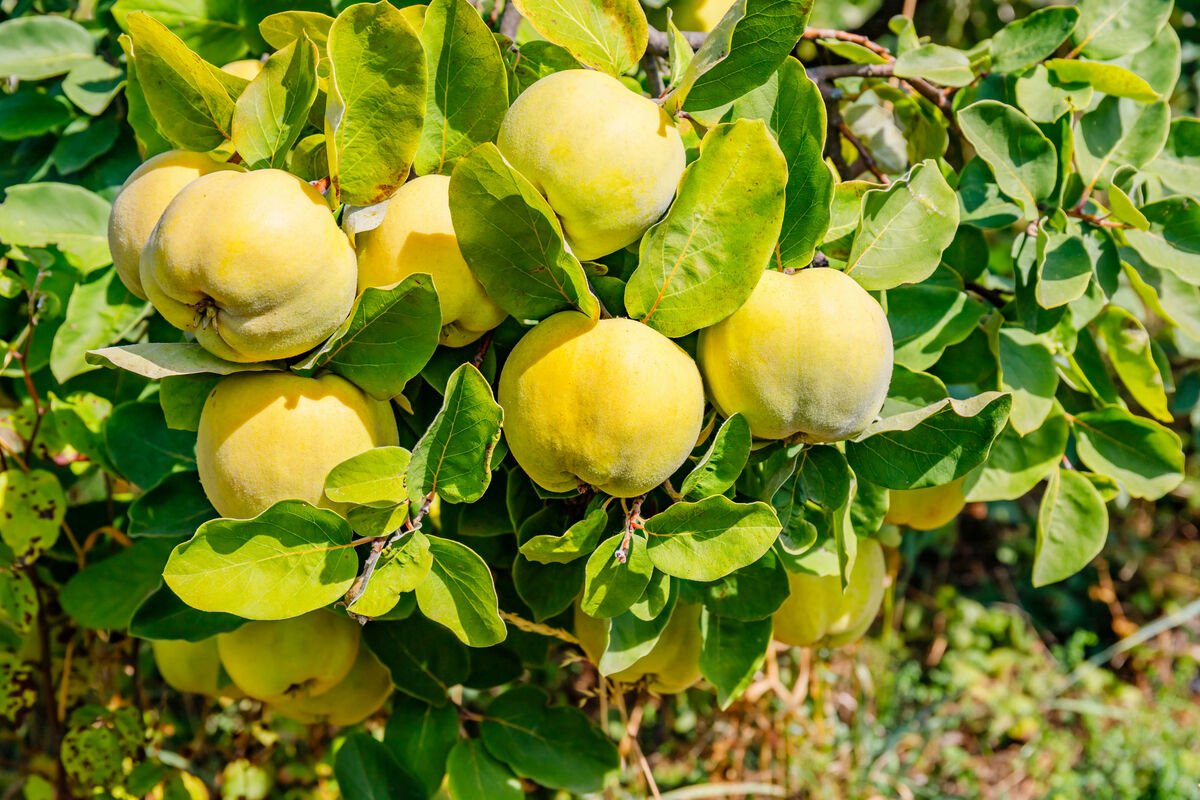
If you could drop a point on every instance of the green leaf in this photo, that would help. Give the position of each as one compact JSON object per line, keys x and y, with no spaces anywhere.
{"x":69,"y":217}
{"x":454,"y":457}
{"x":164,"y":616}
{"x":724,"y":460}
{"x":983,"y":204}
{"x":290,"y":559}
{"x":93,"y":84}
{"x":1118,"y":132}
{"x":421,"y":737}
{"x":1021,"y":157}
{"x":424,"y":658}
{"x":1018,"y":463}
{"x":459,"y":594}
{"x":1173,"y":239}
{"x":1112,"y":28}
{"x":555,"y":747}
{"x":402,"y":568}
{"x":751,"y":593}
{"x":709,"y":539}
{"x":608,"y":35}
{"x":143,"y":448}
{"x":1023,"y":43}
{"x":610,"y":587}
{"x":628,"y":637}
{"x":106,"y":593}
{"x":1045,"y":97}
{"x":281,"y":29}
{"x":935,"y":63}
{"x":174,"y":508}
{"x":467,"y":85}
{"x":1064,"y":267}
{"x":387,"y":340}
{"x":365,"y":768}
{"x":182,"y":398}
{"x":1027,"y":371}
{"x":741,"y":53}
{"x":578,"y":541}
{"x":790,"y":103}
{"x":905,"y":228}
{"x":1144,"y":456}
{"x":1178,"y":165}
{"x":700,"y":263}
{"x":931,"y":446}
{"x":99,"y":311}
{"x":30,"y":113}
{"x":911,"y":390}
{"x":376,"y":83}
{"x":158,"y":360}
{"x":1109,"y":79}
{"x":1072,"y":527}
{"x":32,"y":507}
{"x":270,"y":114}
{"x":189,"y":103}
{"x":1129,"y":349}
{"x":36,"y":47}
{"x":475,"y":775}
{"x":374,"y":478}
{"x":213,"y":28}
{"x":926,"y":318}
{"x":512,"y":240}
{"x":731,"y":653}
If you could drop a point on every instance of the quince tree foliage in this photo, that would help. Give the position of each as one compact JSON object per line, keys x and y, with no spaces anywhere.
{"x":445,"y":345}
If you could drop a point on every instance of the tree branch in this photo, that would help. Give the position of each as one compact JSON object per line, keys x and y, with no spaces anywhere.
{"x":378,"y":546}
{"x":633,"y":521}
{"x":510,"y":20}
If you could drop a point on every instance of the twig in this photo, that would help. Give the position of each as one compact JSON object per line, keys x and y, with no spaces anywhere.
{"x":377,"y":547}
{"x":659,"y":43}
{"x":993,"y":296}
{"x":510,"y":20}
{"x":835,"y":71}
{"x":1092,"y":219}
{"x":855,"y":38}
{"x":522,"y":624}
{"x":863,"y":153}
{"x":653,"y":74}
{"x":481,"y":353}
{"x":633,"y":521}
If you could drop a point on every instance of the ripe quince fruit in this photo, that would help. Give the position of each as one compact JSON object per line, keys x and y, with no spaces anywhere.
{"x":609,"y":403}
{"x":809,"y":356}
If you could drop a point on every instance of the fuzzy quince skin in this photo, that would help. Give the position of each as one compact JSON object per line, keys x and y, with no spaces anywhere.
{"x":809,"y":356}
{"x":274,"y":660}
{"x":613,"y":404}
{"x":191,"y":666}
{"x":671,"y":666}
{"x":607,"y":160}
{"x":252,"y":263}
{"x":141,"y":202}
{"x":360,"y":694}
{"x":271,"y":436}
{"x":817,"y":612}
{"x":417,"y":235}
{"x":926,"y":509}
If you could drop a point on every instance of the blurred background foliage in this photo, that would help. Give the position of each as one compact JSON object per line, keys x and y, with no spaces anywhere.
{"x":973,"y":684}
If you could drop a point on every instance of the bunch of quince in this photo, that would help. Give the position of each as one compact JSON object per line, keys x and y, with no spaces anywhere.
{"x":255,"y":267}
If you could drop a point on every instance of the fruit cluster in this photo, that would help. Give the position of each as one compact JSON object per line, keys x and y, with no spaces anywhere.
{"x":254,"y":266}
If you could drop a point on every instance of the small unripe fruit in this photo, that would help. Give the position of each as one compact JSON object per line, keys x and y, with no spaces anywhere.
{"x":809,"y":356}
{"x":141,"y":202}
{"x":417,"y":235}
{"x":926,"y":509}
{"x":818,"y":612}
{"x":613,"y":404}
{"x":607,"y":160}
{"x":271,"y":436}
{"x":272,"y":660}
{"x":252,"y":263}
